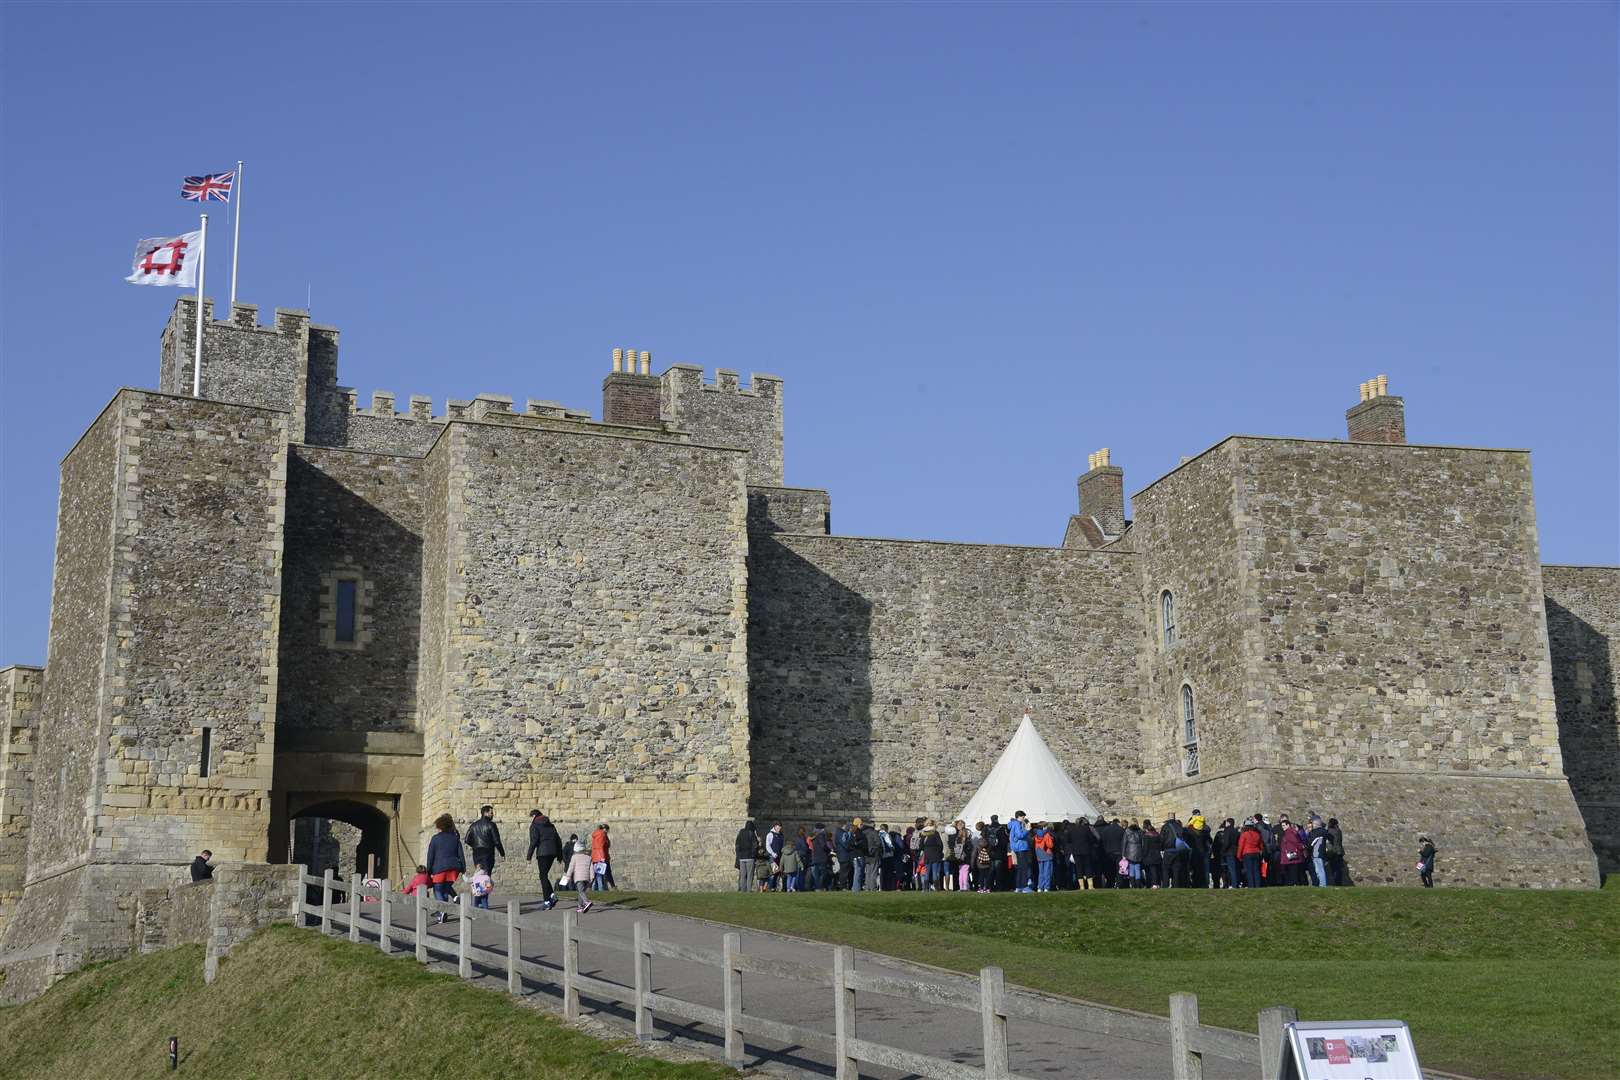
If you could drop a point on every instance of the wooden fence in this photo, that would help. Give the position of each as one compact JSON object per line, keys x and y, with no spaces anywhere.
{"x":988,"y":998}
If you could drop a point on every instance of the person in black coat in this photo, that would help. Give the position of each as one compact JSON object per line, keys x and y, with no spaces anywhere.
{"x":1111,"y":836}
{"x":1225,"y":844}
{"x":484,"y":837}
{"x":821,"y":859}
{"x":446,"y":862}
{"x":200,"y":870}
{"x":545,"y":846}
{"x":747,"y":852}
{"x":1083,"y":850}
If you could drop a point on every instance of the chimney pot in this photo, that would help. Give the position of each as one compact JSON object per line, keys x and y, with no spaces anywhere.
{"x":618,"y":359}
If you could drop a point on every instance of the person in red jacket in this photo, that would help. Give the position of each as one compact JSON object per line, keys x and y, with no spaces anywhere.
{"x":601,"y":863}
{"x":1250,"y":849}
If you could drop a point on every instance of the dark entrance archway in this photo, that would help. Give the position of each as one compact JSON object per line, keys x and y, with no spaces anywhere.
{"x":318,"y":843}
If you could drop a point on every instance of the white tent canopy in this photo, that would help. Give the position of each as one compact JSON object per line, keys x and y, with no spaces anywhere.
{"x":1027,"y":777}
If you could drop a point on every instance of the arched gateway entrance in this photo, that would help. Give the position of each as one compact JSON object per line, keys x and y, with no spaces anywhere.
{"x":350,"y":837}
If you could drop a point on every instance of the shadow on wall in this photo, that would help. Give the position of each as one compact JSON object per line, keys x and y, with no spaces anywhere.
{"x":810,"y":692}
{"x":325,"y":689}
{"x":1588,"y":729}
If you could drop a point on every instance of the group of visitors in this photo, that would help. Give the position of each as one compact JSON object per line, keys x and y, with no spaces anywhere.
{"x":585,"y":866}
{"x":1024,"y":856}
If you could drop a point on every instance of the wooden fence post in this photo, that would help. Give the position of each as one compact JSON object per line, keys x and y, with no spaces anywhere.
{"x":327,"y":887}
{"x":847,"y":1068}
{"x":730,"y":946}
{"x":354,"y":907}
{"x":464,"y":937}
{"x":1186,"y":1062}
{"x":1272,"y":1023}
{"x":993,"y":1013}
{"x":570,"y":968}
{"x":421,"y":924}
{"x":644,"y":1023}
{"x":514,"y":950}
{"x":385,"y":917}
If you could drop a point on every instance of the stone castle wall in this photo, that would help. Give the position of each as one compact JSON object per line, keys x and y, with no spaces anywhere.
{"x":887,"y":676}
{"x":722,"y":413}
{"x":352,"y":516}
{"x":592,"y":643}
{"x":1583,"y":626}
{"x":20,"y":689}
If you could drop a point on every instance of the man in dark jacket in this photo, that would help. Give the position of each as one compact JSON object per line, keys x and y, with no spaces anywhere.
{"x":821,"y":859}
{"x":1083,"y":853}
{"x":747,"y":852}
{"x":1197,"y":836}
{"x":1112,"y":838}
{"x":842,"y":841}
{"x":484,"y":838}
{"x":1174,"y":847}
{"x":1225,"y":843}
{"x":200,"y":870}
{"x":871,"y":845}
{"x":544,"y":846}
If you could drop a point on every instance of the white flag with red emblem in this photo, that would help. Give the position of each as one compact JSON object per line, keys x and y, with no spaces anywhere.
{"x":168,"y":260}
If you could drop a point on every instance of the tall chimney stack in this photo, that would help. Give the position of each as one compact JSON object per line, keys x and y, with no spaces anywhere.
{"x":628,"y":397}
{"x":1102,"y":494}
{"x":1378,"y":417}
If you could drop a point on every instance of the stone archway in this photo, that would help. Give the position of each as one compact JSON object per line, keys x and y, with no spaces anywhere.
{"x":350,"y":836}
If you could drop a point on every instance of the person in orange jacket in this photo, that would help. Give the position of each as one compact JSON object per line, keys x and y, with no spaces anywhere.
{"x":1250,"y":849}
{"x":601,"y":863}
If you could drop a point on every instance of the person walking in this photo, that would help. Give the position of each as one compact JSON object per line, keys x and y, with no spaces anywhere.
{"x":545,"y":846}
{"x":484,"y":838}
{"x":601,"y":857}
{"x":1425,"y":863}
{"x":579,"y":872}
{"x":1251,"y":848}
{"x":747,"y":845}
{"x":446,"y":861}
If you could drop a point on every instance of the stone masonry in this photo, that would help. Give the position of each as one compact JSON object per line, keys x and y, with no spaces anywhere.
{"x":278,"y":612}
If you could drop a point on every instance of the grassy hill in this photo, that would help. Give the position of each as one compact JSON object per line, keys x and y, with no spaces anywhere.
{"x":1494,"y":983}
{"x":292,"y":1004}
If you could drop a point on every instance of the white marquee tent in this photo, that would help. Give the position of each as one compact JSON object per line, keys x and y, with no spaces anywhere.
{"x":1027,"y":777}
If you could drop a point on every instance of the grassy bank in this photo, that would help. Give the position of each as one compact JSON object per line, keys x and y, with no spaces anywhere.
{"x":1500,"y":984}
{"x":290,"y":1004}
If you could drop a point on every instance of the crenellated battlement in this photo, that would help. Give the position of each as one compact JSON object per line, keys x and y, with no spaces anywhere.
{"x":726,"y":381}
{"x":728,"y":413}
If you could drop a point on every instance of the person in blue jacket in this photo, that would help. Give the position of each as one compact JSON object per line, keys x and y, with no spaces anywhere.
{"x":446,"y":861}
{"x":1018,"y":844}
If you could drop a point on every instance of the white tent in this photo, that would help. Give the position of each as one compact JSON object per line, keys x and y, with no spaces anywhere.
{"x":1027,"y":777}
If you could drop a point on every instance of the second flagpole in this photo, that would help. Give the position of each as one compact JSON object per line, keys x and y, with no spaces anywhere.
{"x":202,"y":270}
{"x":236,"y":236}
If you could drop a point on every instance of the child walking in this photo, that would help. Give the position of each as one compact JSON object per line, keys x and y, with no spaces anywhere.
{"x":422,"y":880}
{"x":481,"y":887}
{"x":579,"y":872}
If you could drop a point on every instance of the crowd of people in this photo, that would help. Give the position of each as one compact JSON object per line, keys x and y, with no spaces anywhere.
{"x":1024,"y":856}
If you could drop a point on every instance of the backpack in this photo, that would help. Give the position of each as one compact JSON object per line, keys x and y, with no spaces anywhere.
{"x":1331,"y":848}
{"x":981,"y":856}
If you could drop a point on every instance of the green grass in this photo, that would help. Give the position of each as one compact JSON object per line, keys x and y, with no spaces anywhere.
{"x":288,"y":1003}
{"x":1494,"y":983}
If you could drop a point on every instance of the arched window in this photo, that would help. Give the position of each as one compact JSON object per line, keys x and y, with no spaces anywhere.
{"x":1167,"y":617}
{"x":1189,"y":731}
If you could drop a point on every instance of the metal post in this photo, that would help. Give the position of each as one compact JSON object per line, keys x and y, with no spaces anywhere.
{"x":385,"y":916}
{"x":993,"y":1014}
{"x":1273,"y":1023}
{"x":236,"y":238}
{"x":202,"y":268}
{"x":570,"y":968}
{"x":644,"y":1022}
{"x":847,"y":1068}
{"x":298,"y":896}
{"x":327,"y":886}
{"x":464,"y":938}
{"x":731,"y":945}
{"x":421,"y":924}
{"x":354,"y":906}
{"x":1186,"y":1062}
{"x":514,"y":950}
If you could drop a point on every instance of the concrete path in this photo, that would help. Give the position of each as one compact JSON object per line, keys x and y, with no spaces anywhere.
{"x":1036,"y":1050}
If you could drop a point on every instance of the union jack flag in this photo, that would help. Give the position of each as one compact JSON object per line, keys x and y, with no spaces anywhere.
{"x":216,"y":186}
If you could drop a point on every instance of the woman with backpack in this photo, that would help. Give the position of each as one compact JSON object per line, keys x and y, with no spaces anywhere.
{"x":984,"y":856}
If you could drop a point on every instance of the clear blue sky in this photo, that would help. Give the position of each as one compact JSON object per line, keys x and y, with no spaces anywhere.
{"x":977,"y":242}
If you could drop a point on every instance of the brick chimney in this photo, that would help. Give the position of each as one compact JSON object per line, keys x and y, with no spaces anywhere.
{"x":629,"y":396}
{"x":1102,"y":494}
{"x":1379,"y":417}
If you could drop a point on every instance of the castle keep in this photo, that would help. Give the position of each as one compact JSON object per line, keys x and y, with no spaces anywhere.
{"x":273,"y":606}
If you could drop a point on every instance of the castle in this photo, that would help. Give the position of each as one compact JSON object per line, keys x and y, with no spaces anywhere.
{"x":271,"y":605}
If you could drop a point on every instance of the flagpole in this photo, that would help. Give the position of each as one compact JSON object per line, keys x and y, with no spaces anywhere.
{"x":202,"y":269}
{"x":236,"y":236}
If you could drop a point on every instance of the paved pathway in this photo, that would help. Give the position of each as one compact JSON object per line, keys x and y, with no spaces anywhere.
{"x":1036,"y":1050}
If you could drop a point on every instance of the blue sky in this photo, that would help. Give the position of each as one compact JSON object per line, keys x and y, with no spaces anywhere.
{"x":979,"y":242}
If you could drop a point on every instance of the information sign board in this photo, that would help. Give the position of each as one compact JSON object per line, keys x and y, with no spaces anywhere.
{"x":1349,"y":1050}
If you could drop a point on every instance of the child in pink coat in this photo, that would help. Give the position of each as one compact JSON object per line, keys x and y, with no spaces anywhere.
{"x":579,"y":872}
